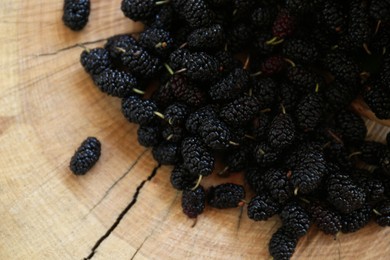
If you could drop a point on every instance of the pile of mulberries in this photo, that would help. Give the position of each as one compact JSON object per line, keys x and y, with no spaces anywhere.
{"x":264,"y":87}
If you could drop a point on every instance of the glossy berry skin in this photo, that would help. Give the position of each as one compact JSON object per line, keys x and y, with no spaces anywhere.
{"x":195,"y":12}
{"x":382,"y":212}
{"x":254,"y":178}
{"x":176,"y":114}
{"x":167,"y":153}
{"x":309,"y":172}
{"x":138,"y":111}
{"x":300,"y":51}
{"x":342,"y":67}
{"x":230,"y":86}
{"x":378,"y":99}
{"x":225,"y":196}
{"x":284,"y":24}
{"x":157,"y":41}
{"x":85,"y":156}
{"x":196,"y":157}
{"x":76,"y":14}
{"x":372,"y":152}
{"x":240,"y":111}
{"x":206,"y":39}
{"x":351,"y":127}
{"x":149,"y":136}
{"x":181,"y":179}
{"x":116,"y":83}
{"x":343,"y":194}
{"x":141,"y":63}
{"x":196,"y":119}
{"x":309,"y":112}
{"x":115,"y":44}
{"x":215,"y":134}
{"x":278,"y":184}
{"x":138,"y":10}
{"x":281,"y":132}
{"x":327,"y":220}
{"x":282,"y":244}
{"x":295,"y":218}
{"x":262,"y":207}
{"x":356,"y":220}
{"x":193,"y":202}
{"x":95,"y":61}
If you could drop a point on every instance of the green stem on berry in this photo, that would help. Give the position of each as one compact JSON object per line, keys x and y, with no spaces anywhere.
{"x":365,"y":47}
{"x":305,"y":200}
{"x":197,"y":182}
{"x":171,"y":121}
{"x":354,"y":154}
{"x":169,"y":137}
{"x":334,"y":47}
{"x":223,"y":171}
{"x":162,"y":2}
{"x":234,"y":143}
{"x":138,"y":91}
{"x":160,"y":115}
{"x":266,"y":110}
{"x":283,"y":109}
{"x":378,"y":25}
{"x":246,"y":64}
{"x":271,"y":41}
{"x":250,"y":137}
{"x":317,"y":88}
{"x":120,"y":49}
{"x":377,"y":212}
{"x":296,"y":191}
{"x":180,"y":71}
{"x":384,"y":51}
{"x":183,"y":45}
{"x":169,"y":69}
{"x":364,"y":75}
{"x":290,"y":62}
{"x":256,"y":74}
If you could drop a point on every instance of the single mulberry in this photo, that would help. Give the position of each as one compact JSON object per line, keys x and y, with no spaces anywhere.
{"x":282,"y":244}
{"x":181,"y":179}
{"x":196,"y":157}
{"x":85,"y":156}
{"x":262,"y":207}
{"x":225,"y":196}
{"x":95,"y":61}
{"x":193,"y":202}
{"x":76,"y":13}
{"x":295,"y":218}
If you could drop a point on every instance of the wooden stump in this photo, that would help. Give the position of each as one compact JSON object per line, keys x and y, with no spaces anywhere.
{"x":49,"y":105}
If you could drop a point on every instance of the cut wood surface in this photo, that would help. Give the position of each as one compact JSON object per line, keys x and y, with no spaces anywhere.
{"x":121,"y":209}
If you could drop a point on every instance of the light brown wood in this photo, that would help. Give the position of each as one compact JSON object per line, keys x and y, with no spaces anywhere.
{"x":48,"y":106}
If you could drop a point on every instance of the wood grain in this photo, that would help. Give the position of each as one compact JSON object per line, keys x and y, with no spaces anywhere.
{"x":48,"y":106}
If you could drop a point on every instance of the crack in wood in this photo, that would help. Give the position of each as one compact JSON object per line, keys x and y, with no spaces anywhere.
{"x":240,"y":218}
{"x":117,"y":181}
{"x":123,"y":213}
{"x":70,"y":47}
{"x":157,"y":225}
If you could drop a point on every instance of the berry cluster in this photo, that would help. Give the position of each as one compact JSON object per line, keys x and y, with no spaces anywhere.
{"x":265,"y":87}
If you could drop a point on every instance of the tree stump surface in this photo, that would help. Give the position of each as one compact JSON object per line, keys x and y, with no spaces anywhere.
{"x":121,"y":209}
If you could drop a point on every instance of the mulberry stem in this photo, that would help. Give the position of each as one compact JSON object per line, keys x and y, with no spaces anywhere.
{"x":197,"y":182}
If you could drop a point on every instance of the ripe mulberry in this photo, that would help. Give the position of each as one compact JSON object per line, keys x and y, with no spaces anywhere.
{"x":193,"y":202}
{"x":76,"y":13}
{"x":196,"y":157}
{"x":262,"y":207}
{"x":85,"y":156}
{"x":225,"y":196}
